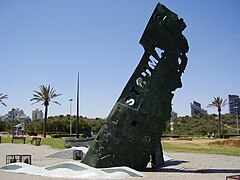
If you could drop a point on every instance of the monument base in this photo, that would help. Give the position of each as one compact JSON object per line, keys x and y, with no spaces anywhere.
{"x":78,"y":142}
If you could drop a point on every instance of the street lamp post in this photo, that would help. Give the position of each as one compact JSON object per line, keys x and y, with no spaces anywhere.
{"x":236,"y":108}
{"x":77,"y":122}
{"x":12,"y":121}
{"x":171,"y":126}
{"x":70,"y":100}
{"x":172,"y":122}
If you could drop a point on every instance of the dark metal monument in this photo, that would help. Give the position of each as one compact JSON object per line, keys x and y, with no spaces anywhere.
{"x":134,"y":126}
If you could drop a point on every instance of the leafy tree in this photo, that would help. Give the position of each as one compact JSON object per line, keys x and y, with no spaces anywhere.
{"x":45,"y":95}
{"x":3,"y":97}
{"x":4,"y":126}
{"x":218,"y":102}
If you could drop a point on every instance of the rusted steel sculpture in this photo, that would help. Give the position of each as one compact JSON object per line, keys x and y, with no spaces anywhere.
{"x":135,"y":124}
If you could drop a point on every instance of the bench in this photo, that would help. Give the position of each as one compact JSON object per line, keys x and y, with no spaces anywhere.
{"x":19,"y":158}
{"x":19,"y":137}
{"x":37,"y":141}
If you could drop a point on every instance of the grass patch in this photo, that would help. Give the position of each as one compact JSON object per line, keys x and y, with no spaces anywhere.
{"x":223,"y":147}
{"x":6,"y":140}
{"x":53,"y":142}
{"x":227,"y":142}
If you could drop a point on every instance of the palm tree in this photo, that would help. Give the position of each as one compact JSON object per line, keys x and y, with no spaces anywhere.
{"x":3,"y":97}
{"x":45,"y":95}
{"x":218,"y":103}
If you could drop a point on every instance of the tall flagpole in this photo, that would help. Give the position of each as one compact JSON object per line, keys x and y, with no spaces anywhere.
{"x":77,"y":122}
{"x":70,"y":100}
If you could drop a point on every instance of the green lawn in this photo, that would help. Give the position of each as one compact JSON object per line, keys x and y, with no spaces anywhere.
{"x":53,"y":142}
{"x":202,"y":146}
{"x":196,"y":146}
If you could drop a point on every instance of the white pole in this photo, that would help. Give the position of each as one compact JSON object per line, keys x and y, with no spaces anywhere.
{"x":236,"y":108}
{"x":237,"y":119}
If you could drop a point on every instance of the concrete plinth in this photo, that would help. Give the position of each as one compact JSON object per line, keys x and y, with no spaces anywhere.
{"x":78,"y":142}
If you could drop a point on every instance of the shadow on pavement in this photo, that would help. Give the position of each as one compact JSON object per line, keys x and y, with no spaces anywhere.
{"x":166,"y":164}
{"x":204,"y":171}
{"x":183,"y":169}
{"x":174,"y":163}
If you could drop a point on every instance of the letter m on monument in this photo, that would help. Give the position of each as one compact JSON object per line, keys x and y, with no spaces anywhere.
{"x":134,"y":127}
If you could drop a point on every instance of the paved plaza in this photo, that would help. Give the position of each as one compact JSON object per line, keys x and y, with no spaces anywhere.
{"x":183,"y":166}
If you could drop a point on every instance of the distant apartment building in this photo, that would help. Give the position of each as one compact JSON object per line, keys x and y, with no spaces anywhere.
{"x":37,"y":114}
{"x":196,"y":109}
{"x":234,"y":104}
{"x":174,"y":115}
{"x":16,"y":115}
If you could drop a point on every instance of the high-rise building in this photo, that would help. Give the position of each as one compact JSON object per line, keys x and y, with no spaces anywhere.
{"x":174,"y":115}
{"x":16,"y":115}
{"x":196,"y":109}
{"x":37,"y":114}
{"x":234,"y":104}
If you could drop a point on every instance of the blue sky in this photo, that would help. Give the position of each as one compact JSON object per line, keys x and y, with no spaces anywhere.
{"x":49,"y":42}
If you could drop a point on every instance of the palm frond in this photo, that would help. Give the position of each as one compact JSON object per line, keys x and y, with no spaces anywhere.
{"x":55,"y":95}
{"x":3,"y":97}
{"x":3,"y":103}
{"x":211,"y":106}
{"x":225,"y":102}
{"x":56,"y":102}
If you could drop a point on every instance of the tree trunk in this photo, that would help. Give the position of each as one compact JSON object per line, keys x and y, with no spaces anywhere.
{"x":219,"y":124}
{"x":45,"y":122}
